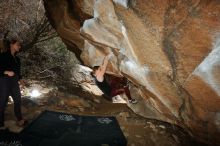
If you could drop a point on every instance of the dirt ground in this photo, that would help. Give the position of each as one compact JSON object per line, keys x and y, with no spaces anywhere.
{"x":139,"y":131}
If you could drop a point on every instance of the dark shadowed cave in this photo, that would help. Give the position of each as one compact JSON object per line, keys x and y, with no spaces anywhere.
{"x":168,"y":50}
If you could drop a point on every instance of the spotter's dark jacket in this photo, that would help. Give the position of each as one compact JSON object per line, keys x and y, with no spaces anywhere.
{"x":8,"y":62}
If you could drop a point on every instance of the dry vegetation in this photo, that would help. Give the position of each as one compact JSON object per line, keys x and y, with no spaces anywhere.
{"x":25,"y":21}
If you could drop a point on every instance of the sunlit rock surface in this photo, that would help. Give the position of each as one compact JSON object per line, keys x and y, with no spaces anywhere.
{"x":169,"y":50}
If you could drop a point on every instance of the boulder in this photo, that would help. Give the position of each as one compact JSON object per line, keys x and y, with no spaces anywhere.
{"x":169,"y":50}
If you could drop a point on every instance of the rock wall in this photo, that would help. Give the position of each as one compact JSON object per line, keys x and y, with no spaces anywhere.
{"x":169,"y":50}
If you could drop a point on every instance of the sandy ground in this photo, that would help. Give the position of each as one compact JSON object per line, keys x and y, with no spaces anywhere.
{"x":139,"y":131}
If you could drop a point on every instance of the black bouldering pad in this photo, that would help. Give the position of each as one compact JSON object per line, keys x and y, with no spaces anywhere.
{"x":61,"y":129}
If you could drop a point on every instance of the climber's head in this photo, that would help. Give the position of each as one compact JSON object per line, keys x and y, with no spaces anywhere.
{"x":95,"y":69}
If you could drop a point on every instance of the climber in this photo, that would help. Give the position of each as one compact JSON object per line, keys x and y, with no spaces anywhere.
{"x":114,"y":86}
{"x":10,"y":79}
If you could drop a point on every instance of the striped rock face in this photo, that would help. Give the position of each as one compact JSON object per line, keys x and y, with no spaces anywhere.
{"x":169,"y":50}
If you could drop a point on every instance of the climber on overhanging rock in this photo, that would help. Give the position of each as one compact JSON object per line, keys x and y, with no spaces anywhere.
{"x":111,"y":88}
